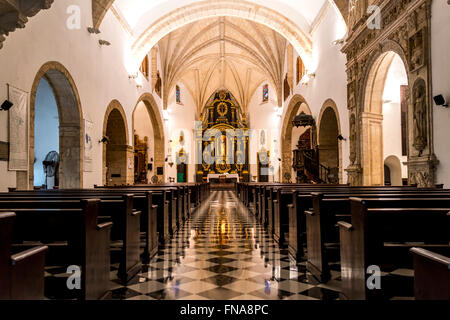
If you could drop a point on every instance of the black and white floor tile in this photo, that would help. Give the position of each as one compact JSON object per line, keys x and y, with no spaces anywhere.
{"x":223,"y":253}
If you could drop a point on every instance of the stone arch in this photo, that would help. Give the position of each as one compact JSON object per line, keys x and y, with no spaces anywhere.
{"x":116,"y":151}
{"x":70,"y":126}
{"x":286,"y":133}
{"x":394,"y":164}
{"x":329,"y":127}
{"x":299,"y":39}
{"x":158,"y":129}
{"x":371,"y":119}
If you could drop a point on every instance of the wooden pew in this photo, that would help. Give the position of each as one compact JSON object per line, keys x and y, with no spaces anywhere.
{"x":302,"y":201}
{"x":21,"y":274}
{"x":85,"y":242}
{"x":141,"y":203}
{"x":119,"y":210}
{"x":321,"y":225}
{"x":431,"y":275}
{"x":378,"y":235}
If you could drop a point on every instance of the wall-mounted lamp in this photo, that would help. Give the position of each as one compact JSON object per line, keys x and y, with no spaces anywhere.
{"x":339,"y":42}
{"x":93,"y":30}
{"x":341,"y":138}
{"x":6,"y":105}
{"x":133,"y":76}
{"x":139,"y":86}
{"x":312,"y":75}
{"x":440,"y":101}
{"x":104,"y":43}
{"x":104,"y":140}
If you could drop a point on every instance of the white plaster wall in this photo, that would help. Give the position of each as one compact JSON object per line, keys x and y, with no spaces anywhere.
{"x":392,"y":129}
{"x":440,"y":57}
{"x":330,"y":80}
{"x":100,"y":75}
{"x":99,"y":72}
{"x":181,"y":117}
{"x":264,"y":116}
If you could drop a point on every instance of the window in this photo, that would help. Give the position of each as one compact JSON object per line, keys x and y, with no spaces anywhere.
{"x":145,"y":67}
{"x":178,"y":94}
{"x":300,"y":69}
{"x":265,"y":93}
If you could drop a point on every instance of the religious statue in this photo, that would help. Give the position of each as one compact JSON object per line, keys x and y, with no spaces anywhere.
{"x":158,"y":85}
{"x":352,"y":139}
{"x":416,"y":51}
{"x":420,"y":118}
{"x":356,"y":11}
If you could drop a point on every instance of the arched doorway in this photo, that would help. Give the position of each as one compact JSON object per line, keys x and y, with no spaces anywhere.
{"x":147,"y":121}
{"x":330,"y":146}
{"x":384,"y":120}
{"x":393,"y":171}
{"x":54,"y":83}
{"x":289,"y":142}
{"x":117,"y":154}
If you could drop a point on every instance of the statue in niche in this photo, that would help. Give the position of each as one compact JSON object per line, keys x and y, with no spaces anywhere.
{"x":158,"y":84}
{"x":416,"y":50}
{"x":420,"y":117}
{"x":352,"y":139}
{"x":352,"y":12}
{"x":356,"y":11}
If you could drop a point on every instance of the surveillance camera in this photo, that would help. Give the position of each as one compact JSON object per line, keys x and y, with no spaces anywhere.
{"x":105,"y":139}
{"x":6,"y":105}
{"x":341,"y":138}
{"x":440,"y":100}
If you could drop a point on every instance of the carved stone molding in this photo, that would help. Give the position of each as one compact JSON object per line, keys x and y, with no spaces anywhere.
{"x":405,"y":31}
{"x":15,"y":13}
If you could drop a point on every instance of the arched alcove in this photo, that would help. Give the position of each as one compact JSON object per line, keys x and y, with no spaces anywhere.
{"x":70,"y":128}
{"x":330,"y":147}
{"x":117,"y":154}
{"x":395,"y":170}
{"x":295,"y":104}
{"x":384,"y":117}
{"x":156,"y":122}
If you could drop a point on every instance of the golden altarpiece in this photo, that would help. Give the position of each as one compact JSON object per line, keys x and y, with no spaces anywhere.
{"x":223,"y":140}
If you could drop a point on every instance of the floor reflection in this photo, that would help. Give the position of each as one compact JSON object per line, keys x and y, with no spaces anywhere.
{"x":222,"y":253}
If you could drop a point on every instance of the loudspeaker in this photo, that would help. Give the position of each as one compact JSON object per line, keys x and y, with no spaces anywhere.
{"x":440,"y":100}
{"x":6,"y":105}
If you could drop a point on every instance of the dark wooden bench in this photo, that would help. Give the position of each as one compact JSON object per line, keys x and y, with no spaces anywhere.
{"x":380,"y":234}
{"x":431,"y":275}
{"x":22,"y":273}
{"x":119,"y":210}
{"x":73,"y":237}
{"x":322,"y":234}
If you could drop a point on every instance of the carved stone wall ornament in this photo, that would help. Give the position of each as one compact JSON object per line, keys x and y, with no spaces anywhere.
{"x":420,"y":116}
{"x":405,"y":31}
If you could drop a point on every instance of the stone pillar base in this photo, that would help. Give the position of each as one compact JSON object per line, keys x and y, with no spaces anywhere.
{"x":354,"y":174}
{"x":421,"y":171}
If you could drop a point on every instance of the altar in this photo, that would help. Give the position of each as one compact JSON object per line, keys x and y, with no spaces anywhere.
{"x":223,"y":178}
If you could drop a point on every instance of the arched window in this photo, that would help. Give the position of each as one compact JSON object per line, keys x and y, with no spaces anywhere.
{"x":265,"y":93}
{"x":300,"y":69}
{"x":178,"y":94}
{"x":145,"y":67}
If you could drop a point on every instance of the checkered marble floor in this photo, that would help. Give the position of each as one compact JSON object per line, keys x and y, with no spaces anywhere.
{"x":223,"y":253}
